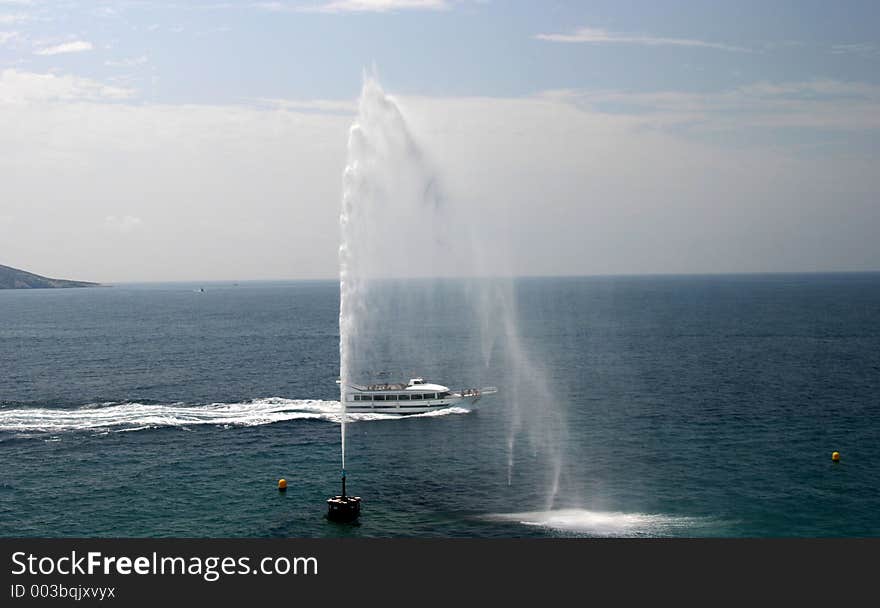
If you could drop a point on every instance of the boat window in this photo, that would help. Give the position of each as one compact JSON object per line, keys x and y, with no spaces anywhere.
{"x":414,"y":397}
{"x":444,"y":395}
{"x":379,"y":397}
{"x":403,"y":397}
{"x":357,"y":398}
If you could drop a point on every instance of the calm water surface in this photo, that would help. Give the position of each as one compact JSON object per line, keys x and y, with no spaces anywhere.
{"x":694,"y":406}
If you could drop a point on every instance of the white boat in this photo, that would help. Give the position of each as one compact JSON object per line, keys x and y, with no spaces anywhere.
{"x":414,"y":397}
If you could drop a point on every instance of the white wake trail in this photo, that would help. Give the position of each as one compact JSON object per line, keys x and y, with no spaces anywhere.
{"x":130,"y":416}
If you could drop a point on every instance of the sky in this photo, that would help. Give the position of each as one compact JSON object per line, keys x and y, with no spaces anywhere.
{"x":146,"y":140}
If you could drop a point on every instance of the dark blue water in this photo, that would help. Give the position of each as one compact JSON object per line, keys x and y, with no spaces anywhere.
{"x":693,"y":406}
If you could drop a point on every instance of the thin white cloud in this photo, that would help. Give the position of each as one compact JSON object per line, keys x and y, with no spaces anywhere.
{"x":861,"y":49}
{"x":324,"y":106}
{"x":359,"y":6}
{"x":590,"y":35}
{"x":816,"y":104}
{"x":7,"y":37}
{"x":76,"y":46}
{"x":106,"y":12}
{"x":27,"y":87}
{"x":128,"y":62}
{"x":124,"y":224}
{"x":15,"y":18}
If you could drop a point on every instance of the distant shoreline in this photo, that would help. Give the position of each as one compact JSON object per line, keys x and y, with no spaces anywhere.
{"x":15,"y":278}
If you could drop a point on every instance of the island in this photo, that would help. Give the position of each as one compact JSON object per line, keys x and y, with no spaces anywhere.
{"x":13,"y":278}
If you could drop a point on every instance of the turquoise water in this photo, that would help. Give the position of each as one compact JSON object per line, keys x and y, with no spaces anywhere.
{"x":694,"y":406}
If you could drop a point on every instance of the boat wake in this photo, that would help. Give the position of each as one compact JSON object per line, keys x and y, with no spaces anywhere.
{"x":604,"y":523}
{"x":132,"y":416}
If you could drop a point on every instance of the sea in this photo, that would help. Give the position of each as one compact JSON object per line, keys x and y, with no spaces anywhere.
{"x":684,"y":406}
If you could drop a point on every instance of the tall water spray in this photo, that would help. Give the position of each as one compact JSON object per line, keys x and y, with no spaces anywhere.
{"x":413,"y":274}
{"x":387,"y":193}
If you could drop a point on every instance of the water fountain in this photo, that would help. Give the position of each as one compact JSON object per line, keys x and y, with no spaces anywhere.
{"x":402,"y":242}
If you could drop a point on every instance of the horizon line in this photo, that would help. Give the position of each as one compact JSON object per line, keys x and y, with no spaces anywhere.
{"x":495,"y":277}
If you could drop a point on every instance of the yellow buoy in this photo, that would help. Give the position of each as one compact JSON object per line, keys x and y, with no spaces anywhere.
{"x":835,"y":456}
{"x":282,"y":484}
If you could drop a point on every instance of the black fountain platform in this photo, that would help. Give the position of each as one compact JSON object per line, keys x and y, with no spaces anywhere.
{"x":343,"y":508}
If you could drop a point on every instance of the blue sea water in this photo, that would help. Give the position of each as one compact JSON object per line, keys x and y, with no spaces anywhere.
{"x":693,"y":406}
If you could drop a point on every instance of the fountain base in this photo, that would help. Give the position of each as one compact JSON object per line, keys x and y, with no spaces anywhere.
{"x":343,"y":508}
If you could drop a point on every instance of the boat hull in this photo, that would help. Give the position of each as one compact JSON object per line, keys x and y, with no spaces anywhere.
{"x":403,"y":408}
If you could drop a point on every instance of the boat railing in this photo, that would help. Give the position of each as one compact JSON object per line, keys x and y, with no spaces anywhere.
{"x":385,"y":387}
{"x":478,"y":392}
{"x":376,"y":387}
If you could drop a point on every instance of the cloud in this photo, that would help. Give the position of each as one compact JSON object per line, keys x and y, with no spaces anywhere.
{"x":815,"y":104}
{"x":590,"y":35}
{"x":7,"y":37}
{"x":106,"y":11}
{"x":323,"y":106}
{"x":175,"y":166}
{"x":76,"y":46}
{"x":861,"y":49}
{"x":561,"y":183}
{"x":124,"y":224}
{"x":359,"y":6}
{"x":10,"y":19}
{"x":128,"y":62}
{"x":25,"y":87}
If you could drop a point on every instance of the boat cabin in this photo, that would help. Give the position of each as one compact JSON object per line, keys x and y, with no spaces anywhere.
{"x":415,"y":390}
